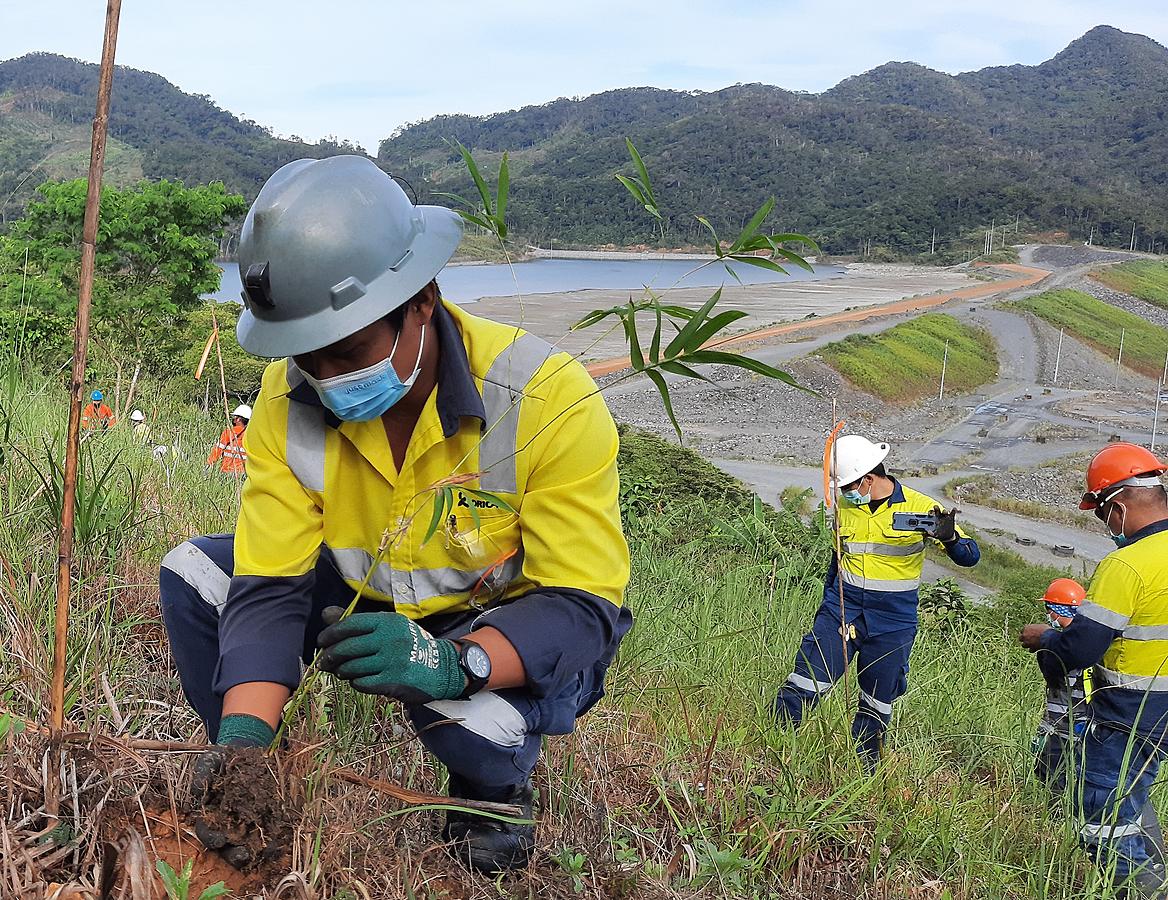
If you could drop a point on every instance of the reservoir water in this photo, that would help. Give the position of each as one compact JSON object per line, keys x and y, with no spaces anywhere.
{"x":465,"y":284}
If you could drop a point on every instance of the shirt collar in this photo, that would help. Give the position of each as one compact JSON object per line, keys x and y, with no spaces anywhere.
{"x":457,"y":394}
{"x":1148,"y":531}
{"x":897,"y":496}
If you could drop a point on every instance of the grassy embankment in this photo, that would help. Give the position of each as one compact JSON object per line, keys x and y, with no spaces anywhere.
{"x":1100,"y":325}
{"x":1145,"y":279}
{"x":676,"y":786}
{"x":903,"y":364}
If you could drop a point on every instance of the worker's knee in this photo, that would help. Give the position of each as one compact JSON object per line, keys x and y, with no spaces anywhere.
{"x":196,"y":574}
{"x":490,"y":739}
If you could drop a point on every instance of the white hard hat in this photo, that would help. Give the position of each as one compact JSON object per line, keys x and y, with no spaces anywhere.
{"x":243,"y":411}
{"x":855,"y":457}
{"x":137,"y":416}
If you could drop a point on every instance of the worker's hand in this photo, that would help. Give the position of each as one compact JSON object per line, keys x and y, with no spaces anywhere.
{"x":385,"y":653}
{"x":946,"y":530}
{"x":1030,"y":636}
{"x":235,"y":732}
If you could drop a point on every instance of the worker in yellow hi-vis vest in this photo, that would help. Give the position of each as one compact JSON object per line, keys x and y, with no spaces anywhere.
{"x":492,"y":617}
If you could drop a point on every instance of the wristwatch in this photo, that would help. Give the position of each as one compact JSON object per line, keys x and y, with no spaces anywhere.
{"x":475,"y":665}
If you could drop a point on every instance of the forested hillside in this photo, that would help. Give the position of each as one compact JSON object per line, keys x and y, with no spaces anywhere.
{"x":156,"y":131}
{"x":1078,"y":143}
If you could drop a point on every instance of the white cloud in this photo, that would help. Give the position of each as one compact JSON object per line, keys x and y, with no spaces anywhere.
{"x":360,"y":68}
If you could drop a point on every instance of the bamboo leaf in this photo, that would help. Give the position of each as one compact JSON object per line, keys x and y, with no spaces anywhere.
{"x":655,"y":346}
{"x":663,"y":390}
{"x":762,"y":262}
{"x":794,"y":258}
{"x":436,"y":516}
{"x":753,"y":225}
{"x":673,"y":367}
{"x":632,"y":187}
{"x":716,"y":357}
{"x":644,"y":173}
{"x":493,"y":499}
{"x":730,"y":269}
{"x":682,"y":340}
{"x":713,"y":234}
{"x":795,"y":238}
{"x":716,"y":324}
{"x":635,"y":356}
{"x":473,"y":169}
{"x":501,"y":191}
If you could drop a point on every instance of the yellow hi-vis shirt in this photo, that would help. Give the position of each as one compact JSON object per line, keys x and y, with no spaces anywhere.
{"x":881,"y":566}
{"x":1129,"y":595}
{"x":548,"y":447}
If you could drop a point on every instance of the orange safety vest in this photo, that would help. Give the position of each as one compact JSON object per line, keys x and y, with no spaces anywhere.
{"x":92,"y":416}
{"x":229,"y":451}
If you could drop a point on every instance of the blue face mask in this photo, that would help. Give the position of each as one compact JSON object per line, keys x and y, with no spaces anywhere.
{"x":854,"y":496}
{"x":367,"y":393}
{"x":1120,"y":539}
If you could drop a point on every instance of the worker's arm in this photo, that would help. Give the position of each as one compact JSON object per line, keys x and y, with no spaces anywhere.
{"x":573,"y":547}
{"x":277,"y":543}
{"x":964,"y":551}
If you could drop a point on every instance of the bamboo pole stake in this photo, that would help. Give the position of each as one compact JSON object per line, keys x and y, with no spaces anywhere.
{"x":80,"y":348}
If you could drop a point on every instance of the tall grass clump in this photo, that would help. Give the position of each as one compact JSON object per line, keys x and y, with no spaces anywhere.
{"x":1101,"y":326}
{"x":1145,"y":279}
{"x":904,"y":363}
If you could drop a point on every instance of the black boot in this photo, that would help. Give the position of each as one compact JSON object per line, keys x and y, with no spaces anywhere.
{"x":488,"y":845}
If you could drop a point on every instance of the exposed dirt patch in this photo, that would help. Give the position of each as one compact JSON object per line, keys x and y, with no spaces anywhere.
{"x":247,"y":808}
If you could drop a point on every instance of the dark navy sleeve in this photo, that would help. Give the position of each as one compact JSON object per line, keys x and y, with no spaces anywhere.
{"x":964,"y":551}
{"x":261,"y":630}
{"x":1082,"y":644}
{"x":831,"y":579}
{"x":557,"y":633}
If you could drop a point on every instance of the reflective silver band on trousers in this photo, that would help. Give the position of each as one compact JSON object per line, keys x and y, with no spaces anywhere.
{"x":881,"y":584}
{"x":877,"y":549}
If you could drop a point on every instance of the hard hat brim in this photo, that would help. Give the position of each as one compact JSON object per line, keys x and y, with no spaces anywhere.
{"x":431,"y":251}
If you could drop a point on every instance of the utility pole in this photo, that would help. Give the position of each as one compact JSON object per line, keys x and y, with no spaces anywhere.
{"x":1119,"y":358}
{"x":993,"y":228}
{"x":1159,"y":395}
{"x":1133,"y":239}
{"x":1058,"y":356}
{"x":944,"y":366}
{"x":933,"y":243}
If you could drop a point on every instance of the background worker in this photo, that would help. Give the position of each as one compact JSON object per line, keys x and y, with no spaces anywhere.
{"x":881,"y":572}
{"x":495,"y":630}
{"x":141,"y":429}
{"x":1064,"y":718}
{"x":229,"y":452}
{"x":1122,"y":630}
{"x":96,"y":414}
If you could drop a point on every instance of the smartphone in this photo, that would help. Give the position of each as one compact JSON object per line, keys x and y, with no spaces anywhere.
{"x":925,"y":523}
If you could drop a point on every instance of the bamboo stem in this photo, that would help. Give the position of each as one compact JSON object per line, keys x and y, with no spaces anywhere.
{"x":80,"y":348}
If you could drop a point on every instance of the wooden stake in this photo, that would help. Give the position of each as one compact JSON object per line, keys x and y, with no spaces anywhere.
{"x":80,"y":348}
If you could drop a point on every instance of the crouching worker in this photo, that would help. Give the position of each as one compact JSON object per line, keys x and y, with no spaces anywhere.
{"x":1064,"y":719}
{"x":880,"y":564}
{"x":1121,"y":630}
{"x":493,"y":632}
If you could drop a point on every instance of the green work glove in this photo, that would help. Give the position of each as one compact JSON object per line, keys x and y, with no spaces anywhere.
{"x":386,"y":653}
{"x":235,"y":731}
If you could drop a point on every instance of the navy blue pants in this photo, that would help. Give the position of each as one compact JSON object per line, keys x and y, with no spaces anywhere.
{"x":881,"y":670}
{"x":493,"y":739}
{"x":1118,"y":771}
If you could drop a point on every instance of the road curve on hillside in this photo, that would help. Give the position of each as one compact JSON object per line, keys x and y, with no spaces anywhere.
{"x":1026,"y":276}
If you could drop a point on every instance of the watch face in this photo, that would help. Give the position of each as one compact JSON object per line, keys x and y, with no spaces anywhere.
{"x":477,"y":661}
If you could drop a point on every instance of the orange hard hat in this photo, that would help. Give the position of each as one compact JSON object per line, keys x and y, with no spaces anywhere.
{"x":1065,"y":592}
{"x":1120,"y":465}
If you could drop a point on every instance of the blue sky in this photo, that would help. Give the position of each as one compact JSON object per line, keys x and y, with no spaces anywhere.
{"x":362,"y":68}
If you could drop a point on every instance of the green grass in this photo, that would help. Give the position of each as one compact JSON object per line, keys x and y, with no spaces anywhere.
{"x":904,"y":363}
{"x":1100,"y":325}
{"x":1145,"y":279}
{"x":678,"y":784}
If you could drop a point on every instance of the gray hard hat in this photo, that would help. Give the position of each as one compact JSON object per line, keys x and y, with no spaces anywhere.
{"x":330,"y":246}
